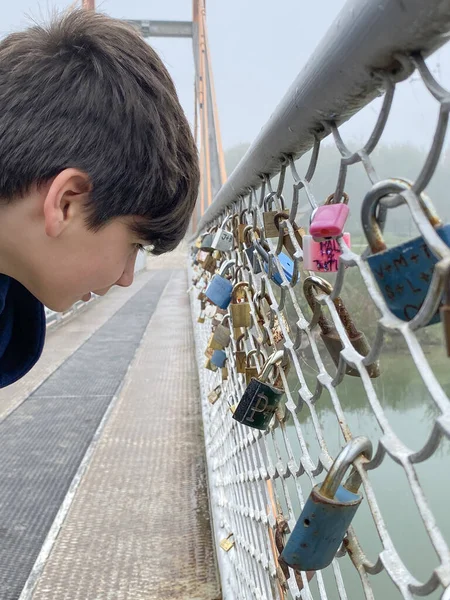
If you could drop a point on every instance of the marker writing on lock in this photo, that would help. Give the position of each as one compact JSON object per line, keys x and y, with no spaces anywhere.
{"x":329,"y":249}
{"x":402,"y":260}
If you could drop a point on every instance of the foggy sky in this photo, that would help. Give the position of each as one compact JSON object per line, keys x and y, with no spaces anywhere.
{"x":257,"y":49}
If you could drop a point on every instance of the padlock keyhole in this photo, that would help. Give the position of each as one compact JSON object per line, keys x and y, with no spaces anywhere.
{"x":307,"y":522}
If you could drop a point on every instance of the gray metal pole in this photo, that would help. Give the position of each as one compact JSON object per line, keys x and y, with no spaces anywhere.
{"x":338,"y":81}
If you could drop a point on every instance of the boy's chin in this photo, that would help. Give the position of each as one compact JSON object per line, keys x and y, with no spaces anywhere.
{"x":59,"y":304}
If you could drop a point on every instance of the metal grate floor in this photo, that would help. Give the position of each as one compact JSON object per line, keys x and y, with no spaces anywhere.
{"x":44,"y":440}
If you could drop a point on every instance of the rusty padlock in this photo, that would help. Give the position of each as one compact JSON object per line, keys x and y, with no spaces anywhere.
{"x":328,"y":332}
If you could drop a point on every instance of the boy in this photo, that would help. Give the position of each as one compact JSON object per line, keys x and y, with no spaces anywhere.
{"x":96,"y":161}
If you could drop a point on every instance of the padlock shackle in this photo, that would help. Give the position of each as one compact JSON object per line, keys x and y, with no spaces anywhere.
{"x":270,"y":197}
{"x":225,"y":319}
{"x":225,"y":221}
{"x":237,"y":287}
{"x":349,"y":453}
{"x":226,"y":266}
{"x":370,"y":204}
{"x":251,"y":354}
{"x":311,"y":282}
{"x":260,"y":250}
{"x":241,"y":216}
{"x":239,"y":342}
{"x":273,"y":360}
{"x":342,"y":200}
{"x":246,"y":234}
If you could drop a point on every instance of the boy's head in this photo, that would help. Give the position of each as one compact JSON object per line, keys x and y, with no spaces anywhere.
{"x":96,"y":157}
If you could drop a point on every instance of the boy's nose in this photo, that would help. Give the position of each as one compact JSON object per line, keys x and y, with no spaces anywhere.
{"x":126,"y":279}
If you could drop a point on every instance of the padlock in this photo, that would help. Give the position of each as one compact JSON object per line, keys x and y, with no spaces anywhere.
{"x":260,"y":400}
{"x":242,"y":226}
{"x":249,"y":370}
{"x":210,"y":311}
{"x":328,"y":332}
{"x":240,"y":311}
{"x":327,"y":513}
{"x":270,"y":229}
{"x":209,"y":264}
{"x":218,"y":358}
{"x":214,"y":394}
{"x":227,"y":544}
{"x":240,"y":355}
{"x":207,"y":239}
{"x":219,"y":289}
{"x":201,"y":317}
{"x":209,"y":365}
{"x":221,"y":336}
{"x":287,"y":264}
{"x":224,"y":371}
{"x":223,"y":239}
{"x":250,"y":249}
{"x":328,"y":220}
{"x":322,"y":257}
{"x":403,"y":273}
{"x":299,"y":233}
{"x":201,"y":256}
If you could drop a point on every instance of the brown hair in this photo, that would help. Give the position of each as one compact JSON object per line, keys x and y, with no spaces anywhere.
{"x":86,"y":91}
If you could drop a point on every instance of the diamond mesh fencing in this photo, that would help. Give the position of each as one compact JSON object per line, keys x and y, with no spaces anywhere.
{"x":351,"y":323}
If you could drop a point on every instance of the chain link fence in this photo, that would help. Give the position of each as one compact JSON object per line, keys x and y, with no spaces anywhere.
{"x":362,"y":351}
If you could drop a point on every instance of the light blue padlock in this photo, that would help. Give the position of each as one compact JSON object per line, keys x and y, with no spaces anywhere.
{"x":403,"y":273}
{"x":287,"y":264}
{"x":219,"y":289}
{"x":218,"y":358}
{"x":327,"y":513}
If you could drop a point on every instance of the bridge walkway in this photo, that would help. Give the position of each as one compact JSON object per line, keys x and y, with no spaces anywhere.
{"x":103,"y":490}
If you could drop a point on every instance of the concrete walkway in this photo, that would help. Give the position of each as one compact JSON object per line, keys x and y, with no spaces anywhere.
{"x":135,"y":522}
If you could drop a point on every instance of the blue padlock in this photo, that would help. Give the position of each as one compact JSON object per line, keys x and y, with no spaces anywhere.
{"x":220,"y":289}
{"x":403,"y":273}
{"x":218,"y":358}
{"x":287,"y":264}
{"x":327,"y":513}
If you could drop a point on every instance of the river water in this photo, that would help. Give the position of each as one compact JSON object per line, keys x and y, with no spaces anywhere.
{"x":411,"y":413}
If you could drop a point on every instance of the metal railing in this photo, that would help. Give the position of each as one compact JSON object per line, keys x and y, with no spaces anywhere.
{"x":259,"y":480}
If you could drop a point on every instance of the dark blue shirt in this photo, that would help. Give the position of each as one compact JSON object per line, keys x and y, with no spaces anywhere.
{"x":22,"y":330}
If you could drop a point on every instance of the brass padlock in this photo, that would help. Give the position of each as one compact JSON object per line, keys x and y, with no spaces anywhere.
{"x":209,"y":365}
{"x":240,"y":354}
{"x":224,"y":371}
{"x":270,"y":229}
{"x":209,"y":264}
{"x":299,"y":232}
{"x":241,"y":227}
{"x":227,"y":544}
{"x":249,"y":370}
{"x":240,"y":310}
{"x":201,"y":317}
{"x":221,"y":336}
{"x":214,"y":394}
{"x":329,"y":333}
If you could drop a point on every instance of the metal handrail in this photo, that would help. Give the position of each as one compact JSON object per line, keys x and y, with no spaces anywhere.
{"x":366,"y":38}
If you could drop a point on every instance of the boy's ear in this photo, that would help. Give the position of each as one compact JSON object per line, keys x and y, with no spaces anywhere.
{"x":64,"y":200}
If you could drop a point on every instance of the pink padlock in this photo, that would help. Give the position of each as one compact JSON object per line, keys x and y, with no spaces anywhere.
{"x":328,"y":220}
{"x":323,"y":256}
